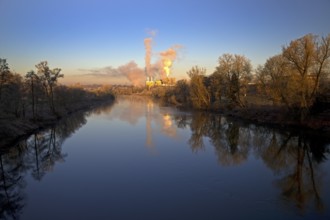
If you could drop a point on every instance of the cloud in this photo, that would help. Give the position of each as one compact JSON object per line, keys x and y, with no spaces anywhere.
{"x":107,"y":71}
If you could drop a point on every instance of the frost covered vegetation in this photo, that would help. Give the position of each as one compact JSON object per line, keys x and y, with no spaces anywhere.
{"x":291,"y":87}
{"x":33,"y":101}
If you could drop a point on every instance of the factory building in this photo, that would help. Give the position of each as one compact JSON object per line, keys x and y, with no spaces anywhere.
{"x":150,"y":82}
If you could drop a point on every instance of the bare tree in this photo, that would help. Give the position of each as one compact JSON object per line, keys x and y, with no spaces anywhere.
{"x":199,"y":94}
{"x":235,"y":70}
{"x":293,"y":77}
{"x":216,"y":88}
{"x":4,"y":72}
{"x":49,"y":79}
{"x":308,"y":61}
{"x":277,"y":82}
{"x":181,"y":92}
{"x":32,"y":77}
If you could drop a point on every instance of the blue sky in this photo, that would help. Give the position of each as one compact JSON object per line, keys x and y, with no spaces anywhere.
{"x":77,"y":36}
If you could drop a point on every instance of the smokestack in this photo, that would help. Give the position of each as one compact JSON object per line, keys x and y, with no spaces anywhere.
{"x":147,"y":45}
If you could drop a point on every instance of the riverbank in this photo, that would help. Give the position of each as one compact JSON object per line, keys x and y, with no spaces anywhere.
{"x":280,"y":117}
{"x":14,"y":129}
{"x":266,"y":115}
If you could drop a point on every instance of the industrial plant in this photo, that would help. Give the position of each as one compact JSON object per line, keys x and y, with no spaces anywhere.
{"x":162,"y":67}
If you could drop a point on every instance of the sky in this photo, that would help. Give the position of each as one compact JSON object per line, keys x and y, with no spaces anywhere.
{"x":89,"y":38}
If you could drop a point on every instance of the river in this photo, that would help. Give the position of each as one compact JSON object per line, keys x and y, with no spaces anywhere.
{"x":135,"y":159}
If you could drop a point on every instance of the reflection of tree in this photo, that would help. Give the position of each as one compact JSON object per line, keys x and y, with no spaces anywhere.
{"x":231,"y":142}
{"x":295,"y":156}
{"x":319,"y":149}
{"x":44,"y":149}
{"x":215,"y":130}
{"x":37,"y":173}
{"x":39,"y":154}
{"x":232,"y":133}
{"x":269,"y":146}
{"x":11,"y":183}
{"x":181,"y":120}
{"x":234,"y":150}
{"x":301,"y":183}
{"x":198,"y":128}
{"x":73,"y":123}
{"x":106,"y":108}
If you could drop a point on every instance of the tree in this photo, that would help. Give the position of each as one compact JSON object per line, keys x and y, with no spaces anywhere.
{"x":12,"y":101}
{"x":4,"y":72}
{"x":216,"y":88}
{"x":181,"y":92}
{"x":199,"y":94}
{"x":293,"y":77}
{"x":32,"y":77}
{"x":277,"y":82}
{"x":49,"y":79}
{"x":308,"y":62}
{"x":235,"y":71}
{"x":15,"y":95}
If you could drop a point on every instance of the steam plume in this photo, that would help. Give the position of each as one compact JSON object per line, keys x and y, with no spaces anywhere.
{"x":147,"y":45}
{"x":131,"y":71}
{"x":167,"y":58}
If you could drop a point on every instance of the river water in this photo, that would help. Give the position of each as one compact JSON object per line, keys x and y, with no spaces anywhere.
{"x":137,"y":160}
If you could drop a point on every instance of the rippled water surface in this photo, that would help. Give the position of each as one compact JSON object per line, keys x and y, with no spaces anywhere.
{"x":137,"y":160}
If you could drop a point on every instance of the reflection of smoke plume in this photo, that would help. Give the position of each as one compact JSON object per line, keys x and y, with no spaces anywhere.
{"x":147,"y":44}
{"x":130,"y":70}
{"x":168,"y":126}
{"x":167,"y":58}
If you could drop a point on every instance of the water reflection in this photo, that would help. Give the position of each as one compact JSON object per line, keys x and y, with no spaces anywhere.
{"x":129,"y":109}
{"x":295,"y":157}
{"x":12,"y":183}
{"x":37,"y":155}
{"x":132,"y":109}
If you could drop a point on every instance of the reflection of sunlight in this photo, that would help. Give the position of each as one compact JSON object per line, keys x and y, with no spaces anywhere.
{"x":167,"y":121}
{"x":164,"y":121}
{"x":150,"y":106}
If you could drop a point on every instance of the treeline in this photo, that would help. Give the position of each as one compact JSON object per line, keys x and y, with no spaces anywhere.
{"x":128,"y":90}
{"x":37,"y":97}
{"x":297,"y":80}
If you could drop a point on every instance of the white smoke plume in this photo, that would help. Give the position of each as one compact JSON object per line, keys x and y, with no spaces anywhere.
{"x":130,"y":71}
{"x":148,"y":47}
{"x":167,"y":58}
{"x":133,"y":73}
